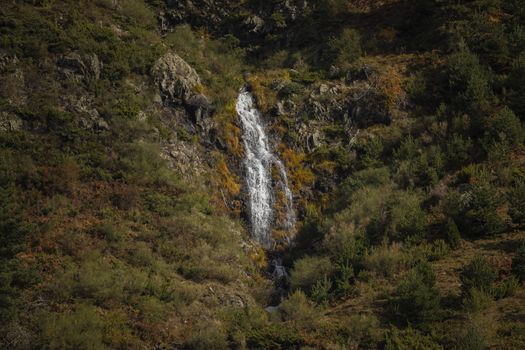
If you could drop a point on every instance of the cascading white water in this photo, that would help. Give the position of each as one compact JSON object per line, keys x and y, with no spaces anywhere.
{"x":258,"y":162}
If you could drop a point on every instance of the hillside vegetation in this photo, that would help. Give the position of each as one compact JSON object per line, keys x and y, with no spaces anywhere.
{"x":122,"y":203}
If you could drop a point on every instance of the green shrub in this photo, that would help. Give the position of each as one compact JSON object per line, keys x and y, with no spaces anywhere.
{"x":13,"y":228}
{"x":476,"y":211}
{"x":208,"y":335}
{"x":477,"y":300}
{"x":82,"y":328}
{"x":468,"y":83}
{"x":517,"y":91}
{"x":407,"y":219}
{"x":363,"y":330}
{"x":108,"y":232}
{"x":516,"y":197}
{"x":151,"y":309}
{"x":275,"y":336}
{"x":160,"y":203}
{"x":345,"y":48}
{"x":452,"y":234}
{"x":503,"y":126}
{"x":320,"y":291}
{"x":244,"y":320}
{"x":307,"y":271}
{"x":478,"y":274}
{"x":417,"y":299}
{"x":299,"y":309}
{"x":417,"y":166}
{"x":386,"y":260}
{"x":343,"y":278}
{"x":439,"y":250}
{"x":506,"y":288}
{"x":409,"y":339}
{"x":458,"y":151}
{"x":471,"y":339}
{"x":138,"y":13}
{"x":291,"y":88}
{"x":518,"y":263}
{"x":142,"y":164}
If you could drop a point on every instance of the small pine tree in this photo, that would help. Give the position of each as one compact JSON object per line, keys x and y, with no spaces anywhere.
{"x":452,"y":234}
{"x":345,"y":48}
{"x":417,"y":298}
{"x":516,"y":198}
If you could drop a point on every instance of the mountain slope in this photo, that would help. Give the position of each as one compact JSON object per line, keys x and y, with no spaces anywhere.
{"x":123,"y":219}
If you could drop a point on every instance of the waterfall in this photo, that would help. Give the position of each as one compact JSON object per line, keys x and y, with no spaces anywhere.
{"x":258,"y":162}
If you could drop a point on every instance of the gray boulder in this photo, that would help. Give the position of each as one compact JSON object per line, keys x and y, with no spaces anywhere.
{"x":200,"y":107}
{"x":175,"y":78}
{"x":93,"y":66}
{"x":73,"y":65}
{"x":10,"y":122}
{"x":255,"y":24}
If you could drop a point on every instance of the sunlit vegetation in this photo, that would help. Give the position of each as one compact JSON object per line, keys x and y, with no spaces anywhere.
{"x":410,"y":230}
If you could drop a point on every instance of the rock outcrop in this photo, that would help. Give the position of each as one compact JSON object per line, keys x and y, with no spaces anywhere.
{"x":10,"y":122}
{"x":88,"y":116}
{"x":75,"y":66}
{"x":177,"y":82}
{"x":175,"y":78}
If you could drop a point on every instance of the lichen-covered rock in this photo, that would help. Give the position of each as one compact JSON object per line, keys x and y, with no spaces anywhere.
{"x":7,"y":59}
{"x":73,"y":65}
{"x":175,"y":78}
{"x":10,"y":122}
{"x":200,"y":107}
{"x":93,"y":66}
{"x":255,"y":24}
{"x":88,"y":116}
{"x":185,"y":158}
